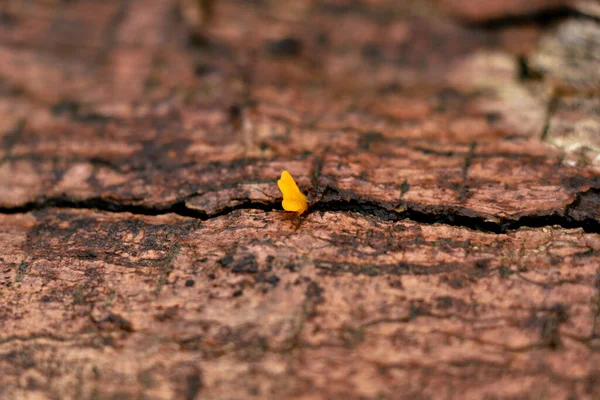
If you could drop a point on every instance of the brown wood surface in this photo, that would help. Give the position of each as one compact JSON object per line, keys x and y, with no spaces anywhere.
{"x":451,"y":157}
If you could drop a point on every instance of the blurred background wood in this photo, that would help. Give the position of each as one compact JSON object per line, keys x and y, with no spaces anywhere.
{"x":449,"y":151}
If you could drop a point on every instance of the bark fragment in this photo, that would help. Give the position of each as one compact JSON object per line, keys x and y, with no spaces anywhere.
{"x":451,"y":244}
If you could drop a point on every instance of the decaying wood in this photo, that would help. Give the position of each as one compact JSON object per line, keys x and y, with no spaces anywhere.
{"x":451,"y":248}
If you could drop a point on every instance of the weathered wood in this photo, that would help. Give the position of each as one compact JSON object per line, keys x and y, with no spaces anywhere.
{"x":342,"y":304}
{"x":451,"y":248}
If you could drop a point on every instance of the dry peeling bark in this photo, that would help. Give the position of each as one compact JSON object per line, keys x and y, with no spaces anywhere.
{"x":451,"y":248}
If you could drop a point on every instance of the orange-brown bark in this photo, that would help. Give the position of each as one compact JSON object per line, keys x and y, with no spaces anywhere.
{"x":452,"y":243}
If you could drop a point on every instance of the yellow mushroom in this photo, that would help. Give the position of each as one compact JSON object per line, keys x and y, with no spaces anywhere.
{"x":293,"y":199}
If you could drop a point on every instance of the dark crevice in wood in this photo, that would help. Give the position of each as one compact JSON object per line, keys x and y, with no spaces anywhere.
{"x":435,"y":215}
{"x":541,"y":18}
{"x":178,"y":207}
{"x":429,"y":215}
{"x":332,"y":202}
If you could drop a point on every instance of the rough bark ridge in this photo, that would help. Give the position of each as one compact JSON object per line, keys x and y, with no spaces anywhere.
{"x":452,"y":245}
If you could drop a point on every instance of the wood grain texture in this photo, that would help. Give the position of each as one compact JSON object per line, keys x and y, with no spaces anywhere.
{"x":452,"y":244}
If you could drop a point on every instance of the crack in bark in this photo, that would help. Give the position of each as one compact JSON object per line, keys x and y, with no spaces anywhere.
{"x":334,"y":200}
{"x":541,"y":18}
{"x":453,"y":216}
{"x":98,"y":203}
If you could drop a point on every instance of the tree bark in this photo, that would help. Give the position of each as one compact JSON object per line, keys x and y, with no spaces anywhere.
{"x":451,"y":248}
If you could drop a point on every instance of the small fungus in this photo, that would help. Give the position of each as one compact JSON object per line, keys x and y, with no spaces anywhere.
{"x":293,"y":199}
